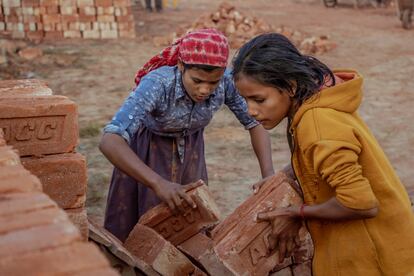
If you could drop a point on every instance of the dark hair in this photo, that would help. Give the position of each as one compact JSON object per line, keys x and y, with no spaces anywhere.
{"x":204,"y":67}
{"x":273,"y":60}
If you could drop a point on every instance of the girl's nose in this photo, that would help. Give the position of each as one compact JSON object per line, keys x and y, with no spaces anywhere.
{"x":252,"y":111}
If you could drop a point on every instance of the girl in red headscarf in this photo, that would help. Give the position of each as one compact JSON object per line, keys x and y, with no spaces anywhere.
{"x":155,"y":140}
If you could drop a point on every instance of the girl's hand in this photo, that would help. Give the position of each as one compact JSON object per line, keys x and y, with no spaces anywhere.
{"x":257,"y":185}
{"x":285,"y":230}
{"x":289,"y":178}
{"x":173,"y":194}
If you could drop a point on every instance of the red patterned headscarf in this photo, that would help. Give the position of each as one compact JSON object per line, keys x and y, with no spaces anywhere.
{"x":205,"y":46}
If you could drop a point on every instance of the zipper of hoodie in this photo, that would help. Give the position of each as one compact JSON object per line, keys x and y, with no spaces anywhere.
{"x":292,"y":137}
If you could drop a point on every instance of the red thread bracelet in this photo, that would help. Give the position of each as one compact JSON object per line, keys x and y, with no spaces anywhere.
{"x":301,"y":211}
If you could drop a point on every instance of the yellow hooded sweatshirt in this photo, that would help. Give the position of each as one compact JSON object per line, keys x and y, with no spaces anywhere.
{"x":336,"y":155}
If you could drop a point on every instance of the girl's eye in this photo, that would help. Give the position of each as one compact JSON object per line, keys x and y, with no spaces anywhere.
{"x":196,"y":81}
{"x":259,"y":100}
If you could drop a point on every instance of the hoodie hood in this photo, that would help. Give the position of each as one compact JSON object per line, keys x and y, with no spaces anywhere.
{"x":345,"y":96}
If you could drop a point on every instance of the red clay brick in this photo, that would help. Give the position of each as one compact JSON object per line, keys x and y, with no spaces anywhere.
{"x":103,"y":3}
{"x":37,"y":238}
{"x":147,"y":245}
{"x":29,"y":87}
{"x":51,"y":18}
{"x":63,"y":176}
{"x":80,"y":219}
{"x":16,"y":203}
{"x":8,"y":156}
{"x":122,"y":3}
{"x":240,"y":242}
{"x":73,"y":259}
{"x":178,"y":228}
{"x":85,"y":3}
{"x":16,"y":179}
{"x":53,"y":10}
{"x":39,"y":125}
{"x":102,"y":237}
{"x":35,"y":36}
{"x":200,"y":249}
{"x":30,"y":3}
{"x":49,"y":2}
{"x":34,"y":218}
{"x":53,"y":35}
{"x":87,"y":18}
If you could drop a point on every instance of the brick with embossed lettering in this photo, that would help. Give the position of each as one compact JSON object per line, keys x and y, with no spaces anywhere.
{"x":39,"y":125}
{"x":151,"y":248}
{"x":63,"y":177}
{"x":241,"y":243}
{"x":180,"y":227}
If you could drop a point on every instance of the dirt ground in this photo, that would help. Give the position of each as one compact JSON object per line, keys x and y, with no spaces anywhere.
{"x":98,"y":75}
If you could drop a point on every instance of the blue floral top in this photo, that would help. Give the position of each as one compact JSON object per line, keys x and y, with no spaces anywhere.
{"x":161,"y":104}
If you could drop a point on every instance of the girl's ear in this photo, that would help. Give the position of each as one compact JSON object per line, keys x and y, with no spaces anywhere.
{"x":294,"y":86}
{"x":180,"y":66}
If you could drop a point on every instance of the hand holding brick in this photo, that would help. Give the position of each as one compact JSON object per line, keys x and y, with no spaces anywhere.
{"x":180,"y":227}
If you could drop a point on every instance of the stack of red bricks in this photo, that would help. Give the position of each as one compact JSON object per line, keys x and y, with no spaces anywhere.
{"x":43,"y":128}
{"x":191,"y":243}
{"x":58,"y":19}
{"x":36,"y":236}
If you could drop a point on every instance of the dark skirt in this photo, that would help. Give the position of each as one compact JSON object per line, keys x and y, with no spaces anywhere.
{"x":128,"y":199}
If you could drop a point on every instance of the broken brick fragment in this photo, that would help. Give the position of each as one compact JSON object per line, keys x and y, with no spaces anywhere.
{"x":149,"y":246}
{"x":180,"y":227}
{"x":115,"y":250}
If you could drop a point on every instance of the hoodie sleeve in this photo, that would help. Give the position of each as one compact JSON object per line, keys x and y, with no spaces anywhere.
{"x":336,"y":162}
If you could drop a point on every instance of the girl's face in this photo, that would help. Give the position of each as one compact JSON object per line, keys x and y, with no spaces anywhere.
{"x":266,"y":104}
{"x":199,"y":83}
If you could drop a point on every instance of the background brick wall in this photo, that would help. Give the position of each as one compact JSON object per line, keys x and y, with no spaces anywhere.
{"x":58,"y":19}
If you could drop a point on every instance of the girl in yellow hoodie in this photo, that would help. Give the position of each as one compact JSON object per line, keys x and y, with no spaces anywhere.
{"x":355,"y":207}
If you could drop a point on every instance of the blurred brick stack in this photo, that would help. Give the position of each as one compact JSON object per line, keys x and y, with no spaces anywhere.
{"x":36,"y":236}
{"x":239,"y":28}
{"x":58,"y":19}
{"x":43,"y":128}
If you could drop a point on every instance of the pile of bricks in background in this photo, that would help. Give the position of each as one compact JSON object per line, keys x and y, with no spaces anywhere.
{"x":239,"y":28}
{"x":43,"y":128}
{"x":58,"y":19}
{"x":191,"y":242}
{"x":36,"y":236}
